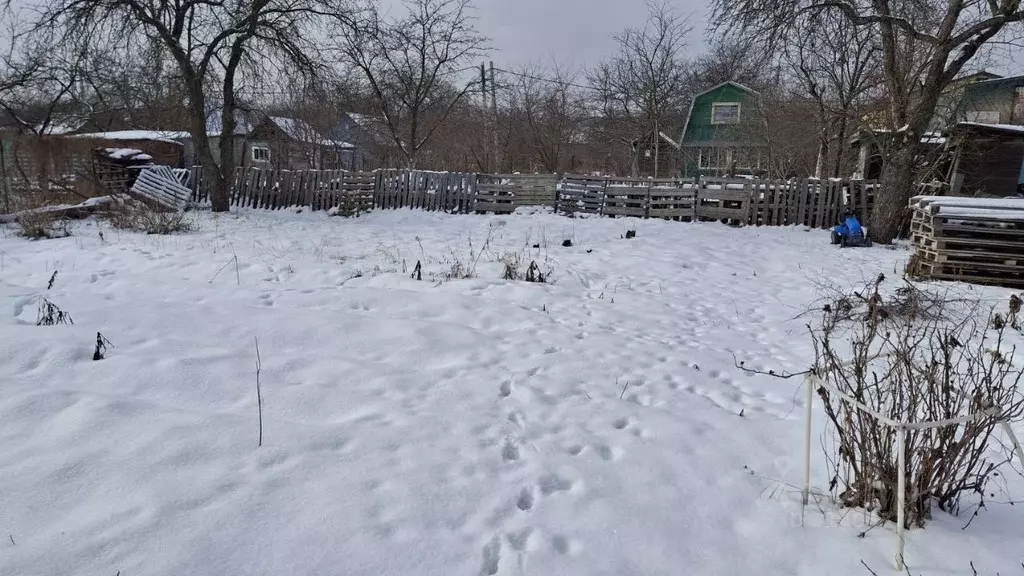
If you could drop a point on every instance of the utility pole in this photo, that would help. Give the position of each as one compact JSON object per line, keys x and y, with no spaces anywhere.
{"x":494,"y":112}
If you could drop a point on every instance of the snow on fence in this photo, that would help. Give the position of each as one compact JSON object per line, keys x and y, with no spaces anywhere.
{"x":813,"y":203}
{"x":976,"y":240}
{"x":807,"y":202}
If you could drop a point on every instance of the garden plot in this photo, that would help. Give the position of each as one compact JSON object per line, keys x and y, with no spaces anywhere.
{"x":594,"y":424}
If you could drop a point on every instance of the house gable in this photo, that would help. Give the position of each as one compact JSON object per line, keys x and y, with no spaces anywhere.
{"x":722,"y":134}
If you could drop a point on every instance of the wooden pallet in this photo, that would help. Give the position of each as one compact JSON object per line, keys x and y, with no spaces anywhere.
{"x":969,"y":240}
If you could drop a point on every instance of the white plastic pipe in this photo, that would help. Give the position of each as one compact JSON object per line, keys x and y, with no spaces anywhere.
{"x":807,"y":440}
{"x":901,"y":482}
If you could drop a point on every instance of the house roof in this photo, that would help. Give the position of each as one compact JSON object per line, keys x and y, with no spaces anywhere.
{"x":689,"y":113}
{"x":152,"y":135}
{"x":1004,"y":128}
{"x":727,"y":82}
{"x":301,"y":131}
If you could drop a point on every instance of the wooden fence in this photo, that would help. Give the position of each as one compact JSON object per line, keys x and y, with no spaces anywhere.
{"x":806,"y":202}
{"x":814,"y":203}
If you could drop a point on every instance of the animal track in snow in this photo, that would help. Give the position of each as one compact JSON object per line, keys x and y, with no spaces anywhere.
{"x":552,"y":483}
{"x":492,"y":555}
{"x":506,"y":389}
{"x":525,"y":500}
{"x":563,"y":544}
{"x":510,"y":451}
{"x":621,"y":423}
{"x":608,"y":453}
{"x":520,"y":540}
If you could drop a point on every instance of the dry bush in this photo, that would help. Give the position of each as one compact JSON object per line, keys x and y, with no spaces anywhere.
{"x":514,"y":262}
{"x":37,"y":225}
{"x":916,"y":356}
{"x":130,"y":214}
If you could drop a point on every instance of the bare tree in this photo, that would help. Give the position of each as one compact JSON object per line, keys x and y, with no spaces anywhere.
{"x":410,"y":65}
{"x":924,"y":46}
{"x":552,"y":112}
{"x":210,"y":44}
{"x":834,"y":63}
{"x":730,"y":59}
{"x":645,"y":84}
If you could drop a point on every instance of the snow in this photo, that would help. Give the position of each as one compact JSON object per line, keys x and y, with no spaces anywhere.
{"x":958,"y":201}
{"x":125,"y":153}
{"x":1001,"y":127}
{"x":156,"y":135}
{"x":482,"y":426}
{"x":302,"y":132}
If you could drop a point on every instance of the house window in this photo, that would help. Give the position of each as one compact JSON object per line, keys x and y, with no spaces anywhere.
{"x":260,"y":154}
{"x":713,"y":158}
{"x":725,"y":113}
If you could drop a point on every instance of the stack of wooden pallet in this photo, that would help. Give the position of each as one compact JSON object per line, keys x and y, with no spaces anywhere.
{"x":976,"y":240}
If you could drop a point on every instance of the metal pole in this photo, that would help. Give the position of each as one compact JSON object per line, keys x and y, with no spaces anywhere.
{"x":901,"y":446}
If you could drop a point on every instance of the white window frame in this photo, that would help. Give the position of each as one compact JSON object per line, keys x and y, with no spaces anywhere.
{"x":265,"y":149}
{"x":716,"y":105}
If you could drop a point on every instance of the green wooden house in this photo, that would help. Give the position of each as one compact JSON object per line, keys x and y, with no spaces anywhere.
{"x":722,"y":135}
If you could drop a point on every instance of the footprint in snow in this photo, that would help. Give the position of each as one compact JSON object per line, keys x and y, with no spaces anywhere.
{"x":506,"y":389}
{"x":525,"y":500}
{"x":492,"y":555}
{"x":510,"y":451}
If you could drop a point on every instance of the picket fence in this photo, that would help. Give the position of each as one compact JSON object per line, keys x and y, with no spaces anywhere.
{"x":806,"y":202}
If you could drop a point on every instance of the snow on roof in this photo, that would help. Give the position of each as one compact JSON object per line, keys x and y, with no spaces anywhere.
{"x":298,"y":130}
{"x":154,"y":135}
{"x":302,"y":132}
{"x":126,"y":153}
{"x":1000,"y":127}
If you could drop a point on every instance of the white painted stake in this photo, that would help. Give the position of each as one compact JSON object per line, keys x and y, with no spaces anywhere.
{"x":807,"y":440}
{"x":901,"y":482}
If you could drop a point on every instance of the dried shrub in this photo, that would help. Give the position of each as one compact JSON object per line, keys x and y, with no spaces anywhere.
{"x":916,"y":356}
{"x":50,"y":314}
{"x":130,"y":214}
{"x":39,"y":225}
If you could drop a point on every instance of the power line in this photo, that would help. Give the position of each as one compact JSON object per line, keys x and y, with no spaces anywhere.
{"x":549,"y":80}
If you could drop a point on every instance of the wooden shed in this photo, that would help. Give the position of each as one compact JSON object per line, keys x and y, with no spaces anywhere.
{"x":989,"y":159}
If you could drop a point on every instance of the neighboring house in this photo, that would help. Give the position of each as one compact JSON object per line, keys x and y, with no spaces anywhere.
{"x":374,"y":146}
{"x":214,"y":131}
{"x":950,"y":108}
{"x":989,"y":159}
{"x":162,"y":148}
{"x":722,"y":133}
{"x":293,"y":144}
{"x":996,"y":101}
{"x":988,"y":143}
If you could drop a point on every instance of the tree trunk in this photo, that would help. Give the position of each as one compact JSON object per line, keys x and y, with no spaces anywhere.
{"x":897,"y":188}
{"x":220,"y":193}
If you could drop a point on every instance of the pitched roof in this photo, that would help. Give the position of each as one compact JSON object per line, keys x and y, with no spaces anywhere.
{"x":727,"y":82}
{"x":301,"y":131}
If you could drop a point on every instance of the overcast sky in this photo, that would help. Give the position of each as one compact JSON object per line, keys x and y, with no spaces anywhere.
{"x":575,"y":33}
{"x":578,"y":33}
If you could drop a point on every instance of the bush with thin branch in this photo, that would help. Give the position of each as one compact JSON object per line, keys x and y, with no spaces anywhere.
{"x":39,"y":225}
{"x":913,"y":356}
{"x":130,"y":214}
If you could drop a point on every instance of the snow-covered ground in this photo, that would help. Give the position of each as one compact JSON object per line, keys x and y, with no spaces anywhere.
{"x":587,"y":427}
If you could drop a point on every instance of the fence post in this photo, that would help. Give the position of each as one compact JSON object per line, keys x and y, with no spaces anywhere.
{"x":647,"y":203}
{"x":901,"y":483}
